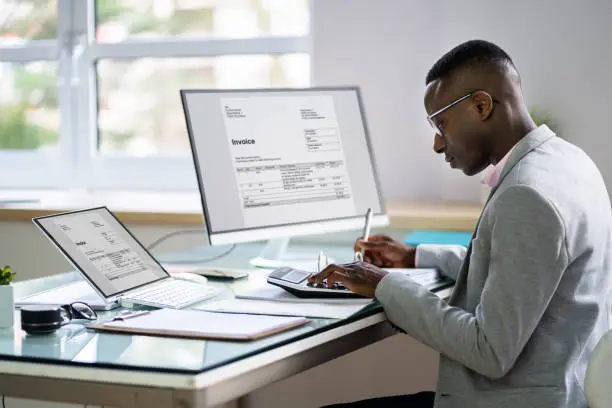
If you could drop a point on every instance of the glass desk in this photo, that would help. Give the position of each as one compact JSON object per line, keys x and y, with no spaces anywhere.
{"x":78,"y":365}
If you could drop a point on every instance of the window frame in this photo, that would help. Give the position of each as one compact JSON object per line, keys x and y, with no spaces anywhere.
{"x":76,"y":52}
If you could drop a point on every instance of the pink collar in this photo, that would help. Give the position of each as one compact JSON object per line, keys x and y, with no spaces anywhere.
{"x":492,"y":177}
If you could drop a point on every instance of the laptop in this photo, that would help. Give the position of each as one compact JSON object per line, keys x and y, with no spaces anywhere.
{"x":116,"y":265}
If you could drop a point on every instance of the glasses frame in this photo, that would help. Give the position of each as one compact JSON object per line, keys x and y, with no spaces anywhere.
{"x":445,"y":108}
{"x":75,"y":314}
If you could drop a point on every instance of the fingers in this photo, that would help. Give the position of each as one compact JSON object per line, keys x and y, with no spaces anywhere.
{"x":335,"y":273}
{"x":369,"y":257}
{"x":380,"y":237}
{"x":325,"y":273}
{"x":372,"y":246}
{"x":336,"y":276}
{"x":344,"y":273}
{"x":375,"y":238}
{"x":376,"y":259}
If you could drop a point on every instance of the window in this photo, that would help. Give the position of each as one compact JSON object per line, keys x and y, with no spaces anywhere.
{"x":89,"y":90}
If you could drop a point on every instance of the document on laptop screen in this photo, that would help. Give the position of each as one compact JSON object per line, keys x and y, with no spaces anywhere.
{"x":101,"y":244}
{"x":103,"y":250}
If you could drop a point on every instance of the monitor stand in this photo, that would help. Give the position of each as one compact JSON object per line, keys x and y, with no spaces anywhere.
{"x":274,"y":255}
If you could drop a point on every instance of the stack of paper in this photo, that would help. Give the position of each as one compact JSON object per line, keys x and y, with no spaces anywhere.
{"x":270,"y":307}
{"x":272,"y":300}
{"x":422,"y":276}
{"x":271,"y":292}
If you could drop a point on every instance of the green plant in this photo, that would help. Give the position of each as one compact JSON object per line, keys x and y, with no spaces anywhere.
{"x":6,"y":276}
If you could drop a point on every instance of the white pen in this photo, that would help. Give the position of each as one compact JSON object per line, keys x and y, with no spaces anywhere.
{"x":129,"y":315}
{"x":366,"y":233}
{"x":319,"y":260}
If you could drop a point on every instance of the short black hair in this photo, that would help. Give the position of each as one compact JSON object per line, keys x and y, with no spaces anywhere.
{"x":469,"y":53}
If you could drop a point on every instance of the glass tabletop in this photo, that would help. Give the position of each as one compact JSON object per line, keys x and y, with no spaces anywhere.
{"x":74,"y":344}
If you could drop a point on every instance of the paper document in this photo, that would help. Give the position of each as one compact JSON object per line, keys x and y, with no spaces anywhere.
{"x":288,"y":156}
{"x":422,"y":276}
{"x":103,"y":246}
{"x":275,"y":293}
{"x":270,"y":307}
{"x":201,"y":324}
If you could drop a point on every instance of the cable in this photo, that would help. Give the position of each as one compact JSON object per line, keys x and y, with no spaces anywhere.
{"x":3,"y":402}
{"x":189,"y":231}
{"x":196,"y":261}
{"x":170,"y":235}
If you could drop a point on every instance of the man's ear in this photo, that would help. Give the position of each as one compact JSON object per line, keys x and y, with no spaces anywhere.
{"x":483,"y":103}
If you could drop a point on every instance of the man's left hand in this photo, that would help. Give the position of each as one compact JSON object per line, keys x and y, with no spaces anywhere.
{"x":359,"y":277}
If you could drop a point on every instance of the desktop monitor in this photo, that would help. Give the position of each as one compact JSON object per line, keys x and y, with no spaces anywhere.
{"x":277,"y":163}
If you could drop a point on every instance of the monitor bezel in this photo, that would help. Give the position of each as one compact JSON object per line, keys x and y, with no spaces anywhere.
{"x":250,"y":234}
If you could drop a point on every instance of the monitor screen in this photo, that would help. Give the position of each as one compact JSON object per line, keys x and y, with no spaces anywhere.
{"x":102,"y":249}
{"x":267,"y":159}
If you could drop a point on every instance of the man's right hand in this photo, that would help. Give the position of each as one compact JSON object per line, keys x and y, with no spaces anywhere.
{"x":385,"y":252}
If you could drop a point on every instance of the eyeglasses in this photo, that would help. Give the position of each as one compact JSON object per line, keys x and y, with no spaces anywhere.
{"x":439,"y":111}
{"x":80,"y":310}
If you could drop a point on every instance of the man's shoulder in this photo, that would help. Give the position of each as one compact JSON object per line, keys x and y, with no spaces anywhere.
{"x":524,"y":200}
{"x":554,"y":167}
{"x":555,"y":181}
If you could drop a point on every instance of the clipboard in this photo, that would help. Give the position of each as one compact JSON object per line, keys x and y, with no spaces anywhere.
{"x":197,"y":324}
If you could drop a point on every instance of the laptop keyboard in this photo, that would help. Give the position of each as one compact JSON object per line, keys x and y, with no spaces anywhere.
{"x":173,"y":293}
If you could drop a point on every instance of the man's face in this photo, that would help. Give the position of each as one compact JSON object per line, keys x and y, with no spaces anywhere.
{"x":463,"y":137}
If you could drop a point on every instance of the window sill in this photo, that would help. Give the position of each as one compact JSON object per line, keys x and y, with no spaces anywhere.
{"x":182,"y":209}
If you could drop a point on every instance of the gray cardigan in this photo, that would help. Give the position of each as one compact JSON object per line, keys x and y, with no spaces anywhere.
{"x":532,"y":293}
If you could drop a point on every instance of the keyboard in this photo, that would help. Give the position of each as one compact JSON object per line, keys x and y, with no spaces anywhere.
{"x":173,"y":294}
{"x":296,"y":282}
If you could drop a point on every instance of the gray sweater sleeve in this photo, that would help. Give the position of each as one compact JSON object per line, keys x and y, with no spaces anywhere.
{"x":446,"y":258}
{"x":527,"y":259}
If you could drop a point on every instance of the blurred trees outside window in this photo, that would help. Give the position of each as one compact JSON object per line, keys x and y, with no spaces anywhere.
{"x":139,"y":111}
{"x":29,"y":117}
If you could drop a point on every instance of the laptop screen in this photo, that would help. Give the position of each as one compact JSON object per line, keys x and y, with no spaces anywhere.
{"x":100,"y":246}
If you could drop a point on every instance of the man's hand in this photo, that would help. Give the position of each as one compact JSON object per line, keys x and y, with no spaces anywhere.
{"x":359,"y":277}
{"x":383,"y":251}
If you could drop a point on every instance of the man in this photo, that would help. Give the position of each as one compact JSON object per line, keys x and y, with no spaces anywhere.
{"x":531,"y":297}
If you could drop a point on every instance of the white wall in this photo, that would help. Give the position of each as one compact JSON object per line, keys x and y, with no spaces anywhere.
{"x":561,"y":47}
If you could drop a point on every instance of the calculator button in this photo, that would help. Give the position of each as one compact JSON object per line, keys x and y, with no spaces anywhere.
{"x":280,"y":272}
{"x":295,"y":276}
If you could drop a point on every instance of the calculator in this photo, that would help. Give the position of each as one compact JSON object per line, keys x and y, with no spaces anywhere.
{"x":296,"y":282}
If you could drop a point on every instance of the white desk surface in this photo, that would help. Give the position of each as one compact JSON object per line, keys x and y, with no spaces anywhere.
{"x":79,"y":381}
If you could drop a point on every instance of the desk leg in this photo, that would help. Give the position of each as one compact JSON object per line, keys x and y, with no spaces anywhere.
{"x":233,"y":404}
{"x":189,"y":399}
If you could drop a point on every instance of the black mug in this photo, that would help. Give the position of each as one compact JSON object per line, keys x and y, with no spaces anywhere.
{"x":43,"y":319}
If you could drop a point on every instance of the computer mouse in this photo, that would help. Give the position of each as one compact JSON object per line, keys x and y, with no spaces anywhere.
{"x":192,"y":277}
{"x":221,"y":274}
{"x":214,"y":273}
